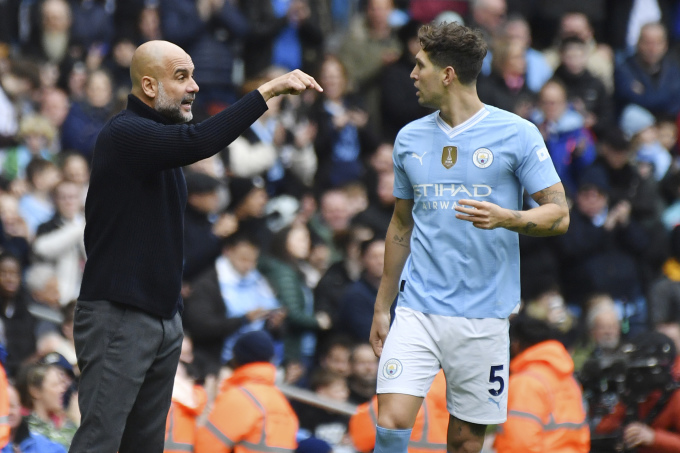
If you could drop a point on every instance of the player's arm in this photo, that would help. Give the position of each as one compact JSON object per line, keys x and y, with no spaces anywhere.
{"x":397,"y":250}
{"x":550,"y":218}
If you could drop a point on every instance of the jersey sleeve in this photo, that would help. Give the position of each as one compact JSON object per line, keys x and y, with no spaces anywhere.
{"x":402,"y":186}
{"x":535,"y":168}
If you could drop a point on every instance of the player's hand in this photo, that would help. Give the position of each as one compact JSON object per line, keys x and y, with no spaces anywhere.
{"x":638,"y":434}
{"x":379,"y":330}
{"x":295,"y":82}
{"x":482,"y":214}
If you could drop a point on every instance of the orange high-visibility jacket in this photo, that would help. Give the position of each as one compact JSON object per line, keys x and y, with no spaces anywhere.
{"x":545,"y":404}
{"x":180,"y":426}
{"x":4,"y":408}
{"x":250,"y":415}
{"x":429,"y":430}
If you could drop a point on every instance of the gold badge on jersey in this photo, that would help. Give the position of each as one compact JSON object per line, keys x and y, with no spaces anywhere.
{"x":449,"y":156}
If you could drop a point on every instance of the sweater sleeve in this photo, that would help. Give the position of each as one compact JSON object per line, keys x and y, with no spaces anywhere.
{"x":152,"y":146}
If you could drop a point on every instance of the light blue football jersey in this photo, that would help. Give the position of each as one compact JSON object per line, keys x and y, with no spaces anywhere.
{"x":454,"y":268}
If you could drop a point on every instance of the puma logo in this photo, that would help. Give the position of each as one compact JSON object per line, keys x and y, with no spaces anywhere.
{"x":497,"y":403}
{"x":420,"y":158}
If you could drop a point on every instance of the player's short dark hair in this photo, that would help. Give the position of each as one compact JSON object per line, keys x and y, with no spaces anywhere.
{"x":455,"y":45}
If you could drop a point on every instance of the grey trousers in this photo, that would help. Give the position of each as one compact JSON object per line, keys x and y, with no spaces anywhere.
{"x":128,"y":359}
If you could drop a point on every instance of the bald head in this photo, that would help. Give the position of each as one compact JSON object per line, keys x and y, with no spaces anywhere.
{"x":151,"y":58}
{"x":162,"y":77}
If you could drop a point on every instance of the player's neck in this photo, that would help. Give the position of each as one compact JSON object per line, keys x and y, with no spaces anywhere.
{"x":460,"y":106}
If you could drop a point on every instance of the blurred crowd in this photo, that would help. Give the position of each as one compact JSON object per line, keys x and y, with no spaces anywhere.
{"x":285,"y":228}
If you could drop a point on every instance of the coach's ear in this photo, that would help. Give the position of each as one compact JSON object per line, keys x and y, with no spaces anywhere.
{"x":448,"y":75}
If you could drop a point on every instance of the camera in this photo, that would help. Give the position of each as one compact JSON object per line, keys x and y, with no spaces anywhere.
{"x":627,"y":377}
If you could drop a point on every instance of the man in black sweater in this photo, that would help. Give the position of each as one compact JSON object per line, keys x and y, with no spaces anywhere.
{"x":127,"y":326}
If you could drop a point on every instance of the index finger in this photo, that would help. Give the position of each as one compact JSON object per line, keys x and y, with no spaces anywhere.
{"x":473,"y":203}
{"x":308,"y":80}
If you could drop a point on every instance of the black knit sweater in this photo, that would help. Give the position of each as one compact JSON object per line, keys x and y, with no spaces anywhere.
{"x":136,"y":200}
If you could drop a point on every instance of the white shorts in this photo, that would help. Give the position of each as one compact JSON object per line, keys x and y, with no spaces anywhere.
{"x":474,"y":354}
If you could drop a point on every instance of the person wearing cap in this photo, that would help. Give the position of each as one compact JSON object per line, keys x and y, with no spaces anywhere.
{"x":250,"y":414}
{"x":639,"y":125}
{"x":601,"y":250}
{"x":203,"y":234}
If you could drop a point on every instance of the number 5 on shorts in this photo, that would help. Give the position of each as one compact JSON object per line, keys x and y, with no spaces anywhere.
{"x":496,"y":379}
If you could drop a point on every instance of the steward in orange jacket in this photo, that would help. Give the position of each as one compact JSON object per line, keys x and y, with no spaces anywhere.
{"x":250,"y":414}
{"x":429,"y":430}
{"x":188,"y":402}
{"x":545,"y":403}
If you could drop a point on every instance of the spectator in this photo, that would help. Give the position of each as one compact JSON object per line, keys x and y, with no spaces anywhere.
{"x":335,"y":355}
{"x":43,"y":287}
{"x":625,"y":180}
{"x":15,"y":231}
{"x":52,"y":40}
{"x":18,"y":323}
{"x":489,"y":17}
{"x":344,"y":136}
{"x":75,"y":169}
{"x":506,"y":86}
{"x":538,"y":71}
{"x":21,"y":438}
{"x":249,"y":409}
{"x":549,"y":306}
{"x":647,"y":78}
{"x":321,"y":423}
{"x":369,"y":45}
{"x":92,"y":28}
{"x":356,"y":305}
{"x":586,"y":92}
{"x":398,"y":101}
{"x":282,"y":267}
{"x":54,"y":105}
{"x":205,"y":228}
{"x":248,"y":199}
{"x":600,"y":251}
{"x":342,"y":273}
{"x":118,"y":65}
{"x":87,"y":117}
{"x":36,"y":134}
{"x":603,"y":331}
{"x":364,"y":374}
{"x":229,"y":298}
{"x":188,"y":402}
{"x":42,"y":388}
{"x":275,"y":26}
{"x":60,"y":241}
{"x":626,"y":18}
{"x":545,"y":408}
{"x":378,"y":214}
{"x":37,"y":206}
{"x":212,"y":32}
{"x":599,"y":56}
{"x":569,"y":143}
{"x":639,"y":126}
{"x":333,"y":216}
{"x":429,"y":430}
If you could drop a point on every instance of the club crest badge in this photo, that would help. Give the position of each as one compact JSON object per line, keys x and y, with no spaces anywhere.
{"x":449,"y":156}
{"x":482,"y":158}
{"x":392,"y":369}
